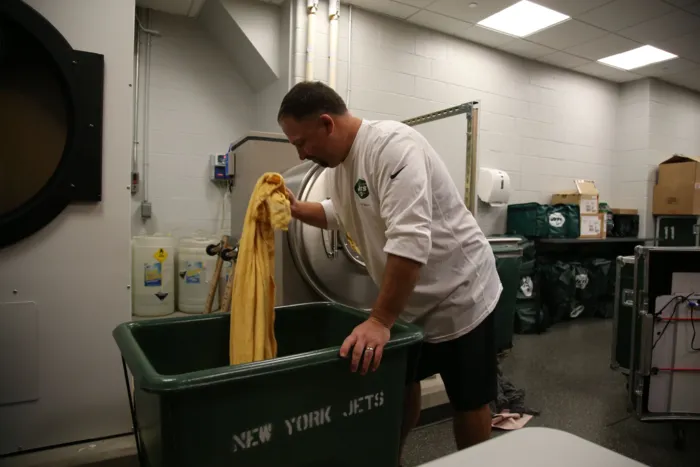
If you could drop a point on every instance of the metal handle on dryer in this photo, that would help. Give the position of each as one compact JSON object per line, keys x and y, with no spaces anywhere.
{"x":334,"y":243}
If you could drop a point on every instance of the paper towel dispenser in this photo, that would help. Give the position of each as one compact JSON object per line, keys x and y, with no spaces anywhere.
{"x":493,"y":187}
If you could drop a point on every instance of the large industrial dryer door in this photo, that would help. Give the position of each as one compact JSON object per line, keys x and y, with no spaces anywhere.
{"x":50,"y":122}
{"x":327,"y":260}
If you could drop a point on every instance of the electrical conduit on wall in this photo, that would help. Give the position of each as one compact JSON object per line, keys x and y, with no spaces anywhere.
{"x":134,"y":150}
{"x":333,"y":16}
{"x":311,"y":8}
{"x":347,"y":94}
{"x":145,"y":204}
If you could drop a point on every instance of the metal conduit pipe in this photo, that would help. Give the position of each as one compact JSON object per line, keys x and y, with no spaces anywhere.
{"x":349,"y":75}
{"x":134,"y":149}
{"x":145,"y":204}
{"x":333,"y":16}
{"x":311,"y":9}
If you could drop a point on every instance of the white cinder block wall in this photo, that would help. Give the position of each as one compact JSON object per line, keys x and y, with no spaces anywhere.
{"x":544,"y":126}
{"x":632,"y":169}
{"x":655,"y":120}
{"x":675,"y":121}
{"x":198,"y":104}
{"x":267,"y":101}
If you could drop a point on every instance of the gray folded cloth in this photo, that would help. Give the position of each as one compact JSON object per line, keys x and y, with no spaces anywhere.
{"x":509,"y":398}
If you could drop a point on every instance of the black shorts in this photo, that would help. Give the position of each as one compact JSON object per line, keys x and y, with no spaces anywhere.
{"x":468,"y":366}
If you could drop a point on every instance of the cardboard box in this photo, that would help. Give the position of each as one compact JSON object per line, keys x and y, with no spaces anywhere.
{"x":585,"y":195}
{"x":592,"y":226}
{"x":677,"y":190}
{"x":625,"y":211}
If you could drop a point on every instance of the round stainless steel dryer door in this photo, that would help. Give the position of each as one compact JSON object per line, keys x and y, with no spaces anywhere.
{"x":325,"y":258}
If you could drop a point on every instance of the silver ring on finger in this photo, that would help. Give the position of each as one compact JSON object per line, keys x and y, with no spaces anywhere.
{"x":369,"y":349}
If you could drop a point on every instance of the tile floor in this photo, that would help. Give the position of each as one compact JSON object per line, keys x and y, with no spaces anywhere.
{"x":566,"y":375}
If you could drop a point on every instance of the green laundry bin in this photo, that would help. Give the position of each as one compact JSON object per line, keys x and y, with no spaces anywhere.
{"x":508,"y":253}
{"x":305,"y":408}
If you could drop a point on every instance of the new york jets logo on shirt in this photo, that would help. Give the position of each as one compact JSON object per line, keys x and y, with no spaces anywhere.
{"x":361,"y":188}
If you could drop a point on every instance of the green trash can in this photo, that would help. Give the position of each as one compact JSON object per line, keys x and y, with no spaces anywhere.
{"x":304,"y":408}
{"x":508,"y":253}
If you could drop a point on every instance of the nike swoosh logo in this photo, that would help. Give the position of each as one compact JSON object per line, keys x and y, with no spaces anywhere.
{"x":393,"y":176}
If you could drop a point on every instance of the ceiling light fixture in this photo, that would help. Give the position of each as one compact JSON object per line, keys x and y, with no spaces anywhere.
{"x":636,"y":58}
{"x":522,"y":19}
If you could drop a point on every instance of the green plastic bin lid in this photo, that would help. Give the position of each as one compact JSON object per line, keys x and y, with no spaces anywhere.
{"x":201,"y":343}
{"x":506,"y":245}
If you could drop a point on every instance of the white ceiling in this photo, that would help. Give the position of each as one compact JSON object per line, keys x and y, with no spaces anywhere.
{"x":598,"y":28}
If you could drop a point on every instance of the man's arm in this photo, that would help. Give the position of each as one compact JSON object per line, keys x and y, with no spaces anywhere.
{"x":400,"y":277}
{"x":310,"y":213}
{"x":321,"y":215}
{"x":405,"y":204}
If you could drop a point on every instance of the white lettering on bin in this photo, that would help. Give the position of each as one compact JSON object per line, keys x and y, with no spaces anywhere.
{"x":316,"y":418}
{"x":364,"y":403}
{"x":252,"y":438}
{"x":308,"y":420}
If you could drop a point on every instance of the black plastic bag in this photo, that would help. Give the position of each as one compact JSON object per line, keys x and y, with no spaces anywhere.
{"x":558,"y":291}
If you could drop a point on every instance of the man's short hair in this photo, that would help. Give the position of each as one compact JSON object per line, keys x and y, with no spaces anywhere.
{"x":310,"y":98}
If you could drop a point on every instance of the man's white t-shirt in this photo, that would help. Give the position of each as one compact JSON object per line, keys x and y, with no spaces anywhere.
{"x":393,"y":194}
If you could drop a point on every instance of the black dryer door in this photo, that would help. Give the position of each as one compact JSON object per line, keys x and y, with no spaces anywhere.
{"x":50,"y":122}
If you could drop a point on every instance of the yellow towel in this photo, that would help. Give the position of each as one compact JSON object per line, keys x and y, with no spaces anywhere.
{"x":253,"y":293}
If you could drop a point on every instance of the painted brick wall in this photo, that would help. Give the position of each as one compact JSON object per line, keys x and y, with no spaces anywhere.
{"x":543,"y":125}
{"x":655,"y":120}
{"x":198,"y":105}
{"x":632,"y":169}
{"x":675,"y":120}
{"x":267,"y":101}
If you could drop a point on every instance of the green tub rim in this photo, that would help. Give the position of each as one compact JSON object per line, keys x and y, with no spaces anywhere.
{"x":149,"y":380}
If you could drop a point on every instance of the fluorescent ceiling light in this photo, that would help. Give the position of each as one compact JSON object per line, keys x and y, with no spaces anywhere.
{"x":639,"y":57}
{"x":523,"y":19}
